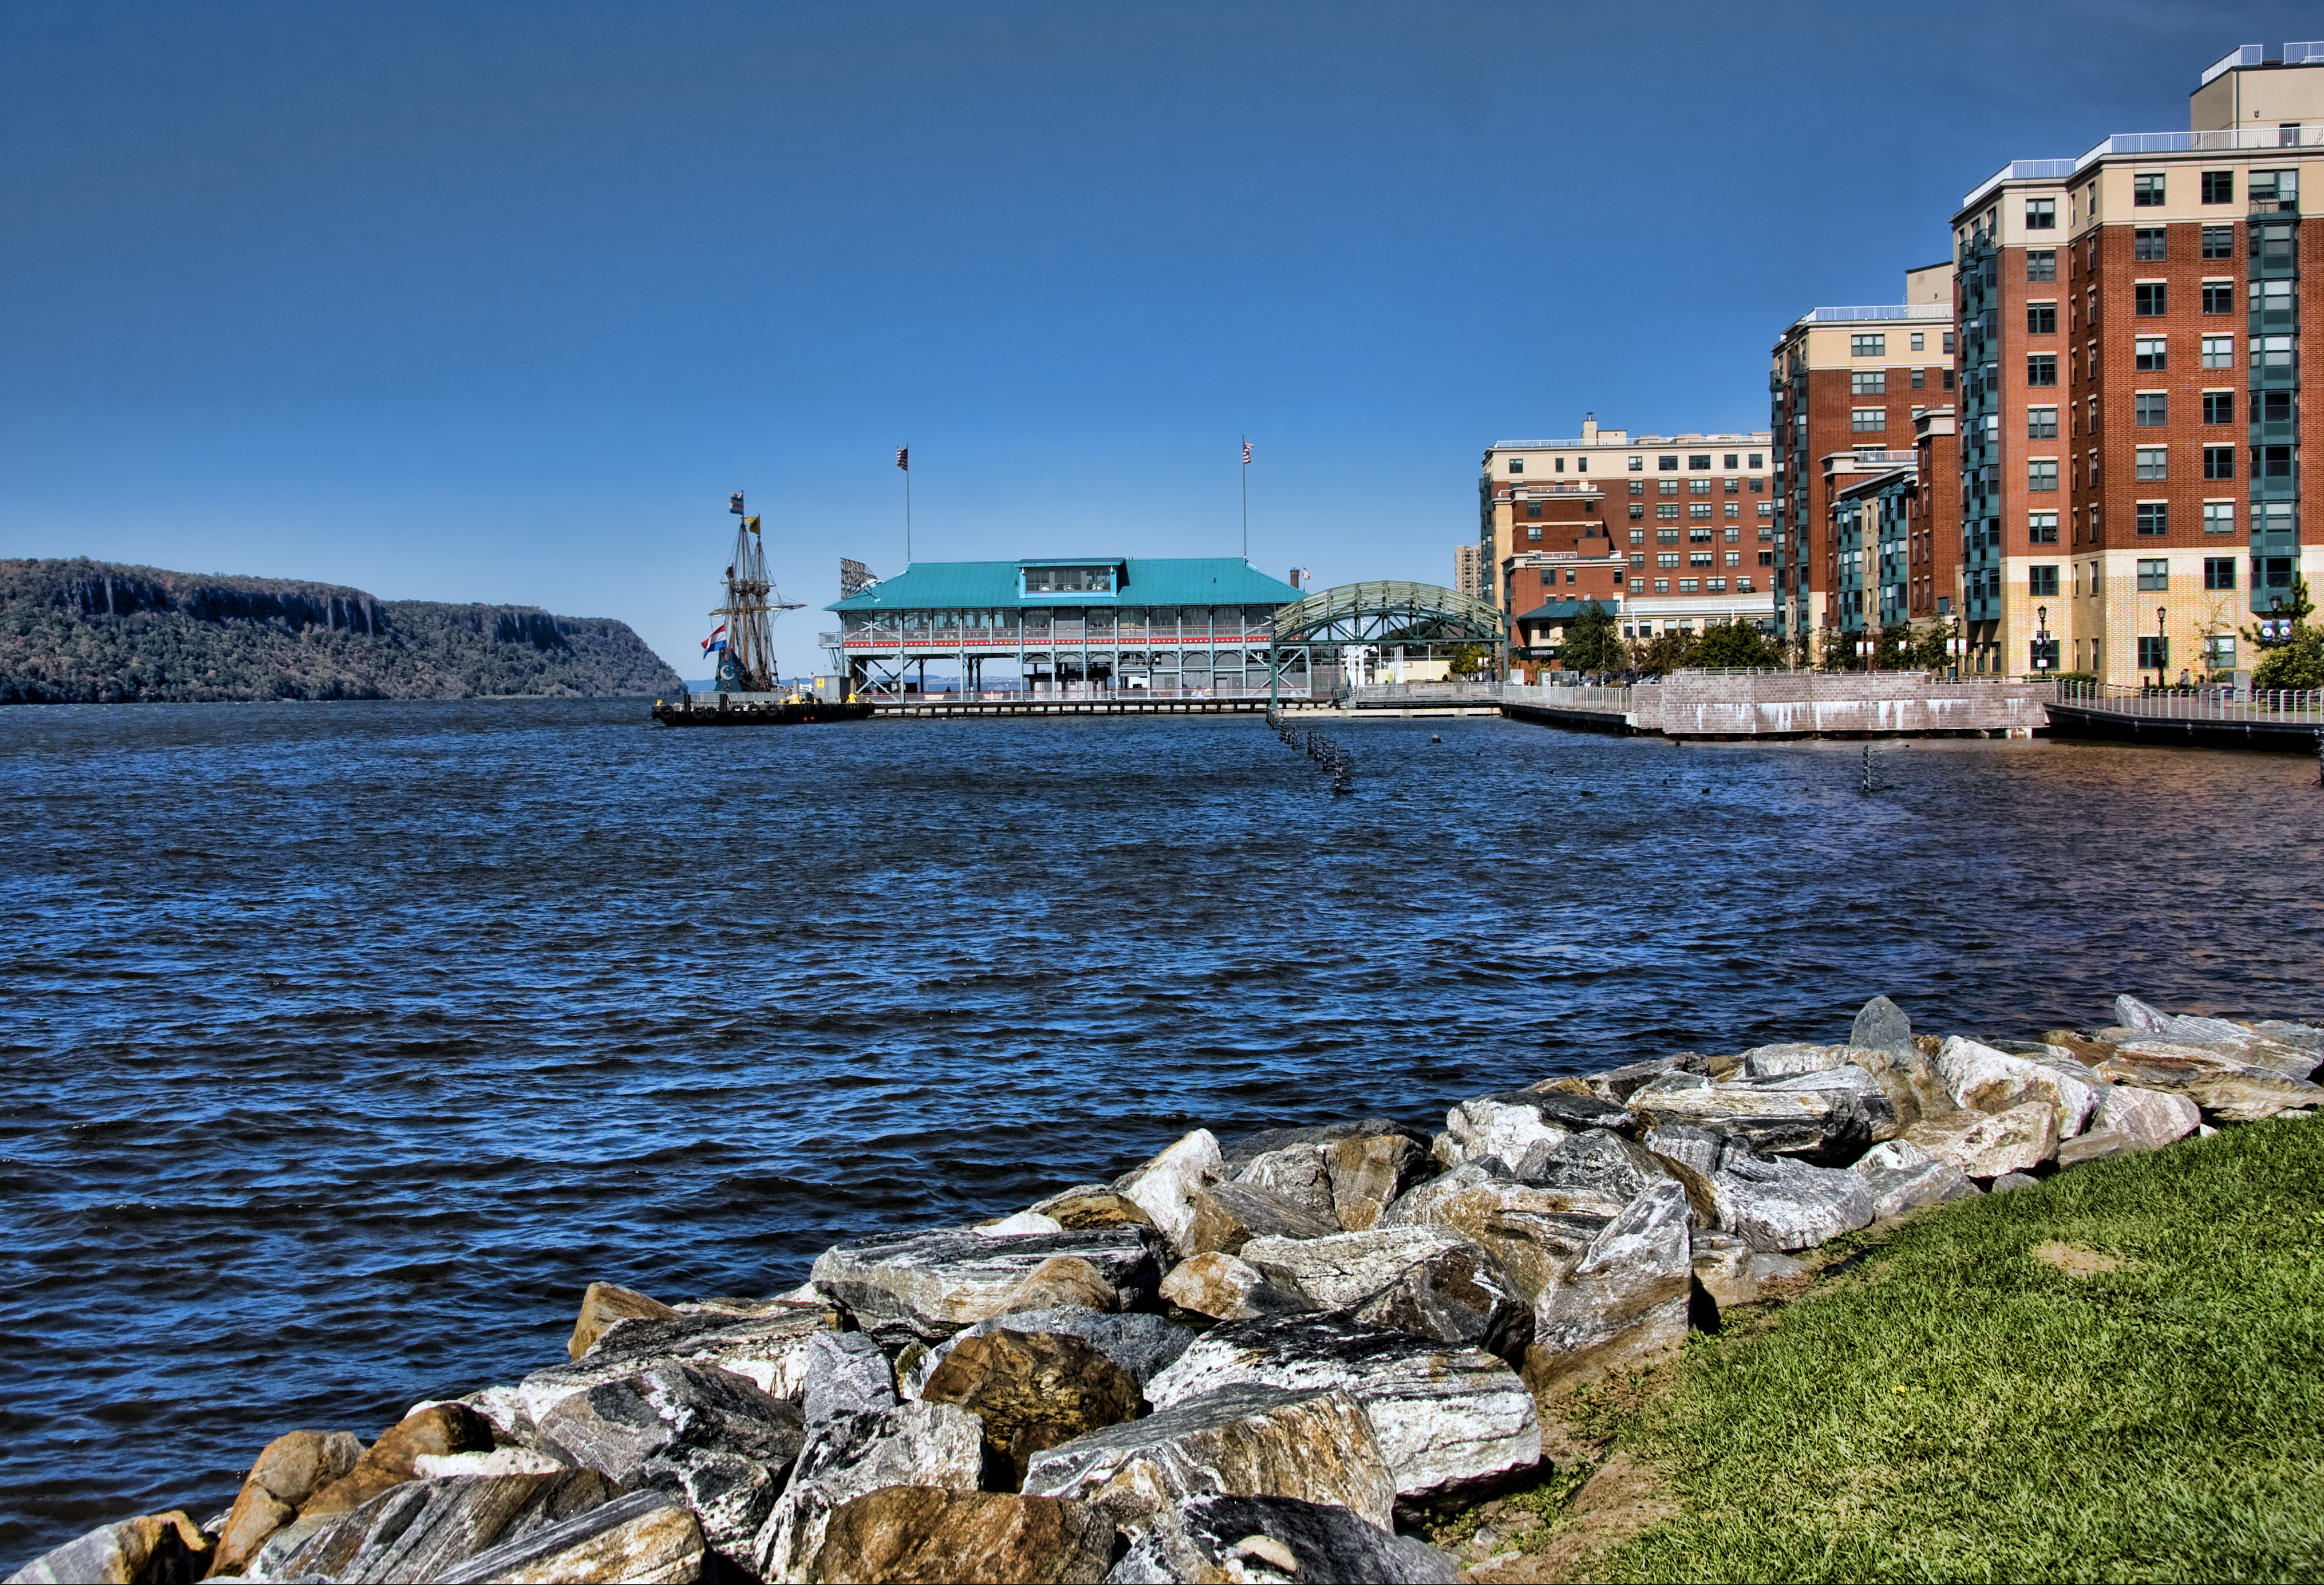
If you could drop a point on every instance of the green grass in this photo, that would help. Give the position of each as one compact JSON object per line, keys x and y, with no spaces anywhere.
{"x":1954,"y":1409}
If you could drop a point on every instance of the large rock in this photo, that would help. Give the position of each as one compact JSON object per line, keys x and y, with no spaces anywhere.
{"x":1981,"y":1078}
{"x":156,"y":1549}
{"x":1032,"y":1390}
{"x":1625,"y":1302}
{"x":604,"y":1303}
{"x":2147,"y":1119}
{"x":1090,"y":1205}
{"x":291,"y":1468}
{"x":1424,"y":1280}
{"x":1881,"y":1025}
{"x":2226,"y":1090}
{"x":1414,"y":1206}
{"x":2292,"y":1050}
{"x":426,"y":1529}
{"x":931,"y":1284}
{"x":1164,"y":1187}
{"x":1369,"y":1171}
{"x":1335,"y":1271}
{"x":1772,"y":1203}
{"x":1062,"y":1282}
{"x":1533,"y":1234}
{"x":1830,"y":1115}
{"x":1986,"y":1147}
{"x":1275,"y":1538}
{"x":918,"y":1444}
{"x":1227,"y":1216}
{"x":1241,"y":1152}
{"x":1227,"y":1287}
{"x":1143,"y":1344}
{"x":1244,"y":1441}
{"x":844,"y":1373}
{"x":1296,"y":1173}
{"x":1598,"y":1171}
{"x":1619,"y":1085}
{"x":768,"y":1349}
{"x":1447,"y":1417}
{"x":1787,"y":1060}
{"x":644,"y":1538}
{"x":441,"y":1428}
{"x":1733,"y":1274}
{"x":1692,"y":1147}
{"x":1509,"y":1123}
{"x":925,"y":1535}
{"x":1901,"y":1176}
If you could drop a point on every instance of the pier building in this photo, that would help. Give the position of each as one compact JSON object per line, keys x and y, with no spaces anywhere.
{"x":1194,"y":626}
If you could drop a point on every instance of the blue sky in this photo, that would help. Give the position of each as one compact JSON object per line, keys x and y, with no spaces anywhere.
{"x":498,"y":301}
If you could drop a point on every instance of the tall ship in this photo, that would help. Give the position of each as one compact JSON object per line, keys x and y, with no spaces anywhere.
{"x":746,"y":689}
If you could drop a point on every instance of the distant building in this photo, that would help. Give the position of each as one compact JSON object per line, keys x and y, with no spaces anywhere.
{"x":1468,"y":571}
{"x":1692,"y":517}
{"x":1847,"y":381}
{"x":1048,"y":623}
{"x":2133,"y":445}
{"x":1550,"y":587}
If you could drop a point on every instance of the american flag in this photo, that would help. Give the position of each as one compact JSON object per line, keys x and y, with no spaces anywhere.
{"x":904,"y":457}
{"x":1246,"y":454}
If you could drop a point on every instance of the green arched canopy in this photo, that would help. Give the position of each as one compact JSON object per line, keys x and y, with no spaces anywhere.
{"x":1388,"y":612}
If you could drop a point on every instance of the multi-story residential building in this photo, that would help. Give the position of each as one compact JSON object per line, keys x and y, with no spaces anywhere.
{"x":1932,"y":532}
{"x":1548,"y":588}
{"x":1468,"y":571}
{"x":1845,"y":380}
{"x":2134,"y":454}
{"x":1692,"y":517}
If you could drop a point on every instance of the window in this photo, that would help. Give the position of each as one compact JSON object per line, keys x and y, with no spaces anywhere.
{"x":1533,"y":510}
{"x":1561,"y":464}
{"x":2041,"y":475}
{"x":2219,"y":297}
{"x":1732,"y":535}
{"x":1742,"y":585}
{"x":2153,"y":650}
{"x":1874,"y":345}
{"x":2219,"y":242}
{"x":1637,"y":463}
{"x":2154,"y":518}
{"x":1699,"y":509}
{"x":1686,"y":585}
{"x":1667,"y":509}
{"x":2275,"y":407}
{"x":1699,"y":558}
{"x":1732,"y":485}
{"x":2146,"y":192}
{"x":1668,"y":464}
{"x":1665,"y":486}
{"x":1869,"y":382}
{"x":1698,"y":487}
{"x":2042,"y":318}
{"x":1919,"y":343}
{"x":1668,"y":559}
{"x":2148,"y":243}
{"x":1533,"y":536}
{"x":1581,"y":465}
{"x":2151,"y":409}
{"x":2271,"y":462}
{"x":2041,"y":423}
{"x":1766,"y":509}
{"x":1949,"y":374}
{"x":2218,"y":517}
{"x":1868,"y":420}
{"x":1068,"y":580}
{"x":2150,"y":297}
{"x":2150,"y":352}
{"x":2219,"y":407}
{"x":2219,"y":572}
{"x":2219,"y":188}
{"x":1920,"y":379}
{"x":2220,"y":651}
{"x":2151,"y":464}
{"x":1697,"y":459}
{"x":1756,"y":461}
{"x":1948,"y":344}
{"x":2041,"y":213}
{"x":1637,"y":511}
{"x":1637,"y":559}
{"x":2154,"y":577}
{"x":2041,"y":369}
{"x":1662,"y":586}
{"x":1517,"y":465}
{"x":2270,"y":188}
{"x":2041,"y":264}
{"x":2219,"y":352}
{"x":1665,"y":535}
{"x":2042,"y":527}
{"x":1731,"y":508}
{"x":2218,"y":461}
{"x":2042,"y":582}
{"x":2272,"y":571}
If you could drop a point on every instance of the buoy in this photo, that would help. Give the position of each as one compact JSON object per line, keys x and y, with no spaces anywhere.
{"x":1434,"y":738}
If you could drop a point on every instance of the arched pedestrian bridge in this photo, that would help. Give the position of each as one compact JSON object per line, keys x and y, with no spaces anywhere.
{"x":1387,"y":613}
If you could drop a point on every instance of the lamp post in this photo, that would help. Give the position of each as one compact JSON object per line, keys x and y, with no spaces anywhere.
{"x":2162,"y":647}
{"x":2041,"y":638}
{"x":1953,"y":648}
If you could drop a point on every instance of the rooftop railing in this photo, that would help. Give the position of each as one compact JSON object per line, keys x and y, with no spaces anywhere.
{"x":1850,"y":316}
{"x":2227,"y":139}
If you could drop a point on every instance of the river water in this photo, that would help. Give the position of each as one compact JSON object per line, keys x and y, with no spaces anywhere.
{"x":346,"y":1043}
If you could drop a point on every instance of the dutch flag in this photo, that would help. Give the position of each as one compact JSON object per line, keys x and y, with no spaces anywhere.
{"x":716,"y":640}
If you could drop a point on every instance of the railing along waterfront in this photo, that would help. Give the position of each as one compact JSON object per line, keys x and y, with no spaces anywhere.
{"x":2199,"y":702}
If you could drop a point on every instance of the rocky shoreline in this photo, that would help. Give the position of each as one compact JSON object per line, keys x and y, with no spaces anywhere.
{"x":1265,"y":1359}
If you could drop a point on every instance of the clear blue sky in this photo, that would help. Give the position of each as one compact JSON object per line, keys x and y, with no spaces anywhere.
{"x":493,"y":301}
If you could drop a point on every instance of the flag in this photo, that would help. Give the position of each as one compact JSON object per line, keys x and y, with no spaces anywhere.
{"x":751,"y":523}
{"x":734,"y":503}
{"x":730,"y":571}
{"x":716,"y":640}
{"x":1246,"y":454}
{"x":904,"y":457}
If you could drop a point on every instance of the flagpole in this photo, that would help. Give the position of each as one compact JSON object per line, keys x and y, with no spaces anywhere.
{"x":907,"y":517}
{"x":1246,"y":498}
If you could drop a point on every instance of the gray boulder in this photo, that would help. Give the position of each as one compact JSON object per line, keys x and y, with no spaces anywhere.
{"x":1598,"y":1170}
{"x":1369,"y":1171}
{"x":1411,"y":1208}
{"x":644,"y":1538}
{"x":1141,"y":1344}
{"x":1734,"y":1274}
{"x":1692,"y":1147}
{"x":1241,"y":1441}
{"x":1773,"y":1203}
{"x":929,"y":1285}
{"x":2226,"y":1089}
{"x":1226,"y":1287}
{"x":1164,"y":1187}
{"x":1625,"y":1301}
{"x":1831,"y":1115}
{"x":1987,"y":1146}
{"x":1238,"y":1152}
{"x":1345,"y":1268}
{"x":767,"y":1349}
{"x":1881,"y":1025}
{"x":1446,"y":1416}
{"x":915,"y":1444}
{"x":1789,"y":1061}
{"x":846,"y":1373}
{"x":1619,"y":1085}
{"x":1982,"y":1078}
{"x":1264,"y":1538}
{"x":1534,"y":1234}
{"x":1294,"y":1174}
{"x":153,"y":1549}
{"x":2147,"y":1119}
{"x":427,"y":1529}
{"x":1459,"y":1296}
{"x":618,"y":1427}
{"x":1901,"y":1176}
{"x":1227,"y":1216}
{"x":911,"y":1532}
{"x":2013,"y":1180}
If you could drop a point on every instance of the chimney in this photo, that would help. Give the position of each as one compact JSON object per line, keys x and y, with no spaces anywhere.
{"x":1589,"y":428}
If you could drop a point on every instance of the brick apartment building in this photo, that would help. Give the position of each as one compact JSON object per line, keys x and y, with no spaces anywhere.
{"x":2134,"y":455}
{"x":1691,"y":519}
{"x":1549,"y":587}
{"x":1845,"y":381}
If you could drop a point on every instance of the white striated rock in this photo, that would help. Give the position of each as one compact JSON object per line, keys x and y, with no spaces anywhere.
{"x":1982,"y":1079}
{"x":846,"y":1374}
{"x":1773,"y":1203}
{"x":918,"y":1444}
{"x":1297,"y":1174}
{"x":2149,"y":1118}
{"x":1024,"y":1222}
{"x":1227,"y":1287}
{"x":1775,"y":1062}
{"x":1164,"y":1187}
{"x":1495,"y":1126}
{"x":1625,"y":1302}
{"x":931,"y":1284}
{"x":1141,"y":1344}
{"x":1902,"y":1177}
{"x":501,"y":1461}
{"x":1263,"y":1540}
{"x":1334,"y":1272}
{"x":1446,"y":1416}
{"x":1986,"y":1147}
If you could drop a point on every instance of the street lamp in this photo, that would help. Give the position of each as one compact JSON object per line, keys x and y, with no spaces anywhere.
{"x":2041,"y":638}
{"x":1956,"y":649}
{"x":2162,"y":647}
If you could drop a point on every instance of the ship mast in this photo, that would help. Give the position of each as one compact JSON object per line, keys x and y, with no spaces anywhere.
{"x":747,"y":664}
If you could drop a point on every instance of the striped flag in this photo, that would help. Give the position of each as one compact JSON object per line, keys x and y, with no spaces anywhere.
{"x":734,"y":503}
{"x":904,"y":457}
{"x":1246,"y":454}
{"x":717,"y":640}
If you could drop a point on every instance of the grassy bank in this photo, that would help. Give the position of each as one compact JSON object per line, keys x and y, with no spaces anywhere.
{"x":2112,"y":1376}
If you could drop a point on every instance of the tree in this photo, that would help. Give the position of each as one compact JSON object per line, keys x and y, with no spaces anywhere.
{"x":1592,"y":642}
{"x":2294,"y":662}
{"x":1894,"y":652}
{"x":1837,"y":650}
{"x":1471,"y":660}
{"x":1738,"y":646}
{"x":1663,"y":653}
{"x":1926,"y":650}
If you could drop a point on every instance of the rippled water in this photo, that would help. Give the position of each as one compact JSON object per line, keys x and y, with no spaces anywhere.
{"x":345,"y":1043}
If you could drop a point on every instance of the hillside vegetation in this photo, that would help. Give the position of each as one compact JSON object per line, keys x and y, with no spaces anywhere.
{"x":84,"y":632}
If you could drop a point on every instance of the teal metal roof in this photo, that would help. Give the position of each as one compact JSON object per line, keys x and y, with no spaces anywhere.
{"x":1184,"y":580}
{"x":1566,"y":610}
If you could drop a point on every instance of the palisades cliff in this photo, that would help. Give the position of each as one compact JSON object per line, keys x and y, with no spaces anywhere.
{"x":1265,"y":1359}
{"x":79,"y":631}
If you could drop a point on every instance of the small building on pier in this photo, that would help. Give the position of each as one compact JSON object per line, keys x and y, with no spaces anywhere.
{"x":1193,"y":625}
